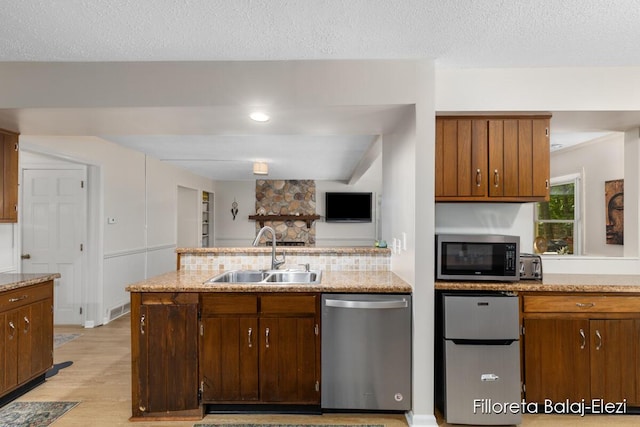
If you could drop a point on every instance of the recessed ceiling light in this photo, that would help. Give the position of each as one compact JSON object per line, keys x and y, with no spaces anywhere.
{"x":259,"y":116}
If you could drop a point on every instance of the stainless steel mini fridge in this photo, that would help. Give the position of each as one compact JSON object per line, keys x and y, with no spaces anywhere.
{"x":481,"y":359}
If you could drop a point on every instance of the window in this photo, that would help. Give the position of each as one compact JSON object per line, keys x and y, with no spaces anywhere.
{"x":557,"y":221}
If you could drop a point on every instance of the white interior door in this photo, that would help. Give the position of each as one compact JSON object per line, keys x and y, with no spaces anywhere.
{"x":53,"y":233}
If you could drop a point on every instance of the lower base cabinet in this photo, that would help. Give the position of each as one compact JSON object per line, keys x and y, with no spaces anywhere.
{"x":191,"y":349}
{"x":26,"y":334}
{"x":260,"y":349}
{"x":582,"y":347}
{"x":164,"y":351}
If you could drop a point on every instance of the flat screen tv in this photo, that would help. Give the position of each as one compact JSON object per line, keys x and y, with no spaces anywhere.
{"x":348,"y":207}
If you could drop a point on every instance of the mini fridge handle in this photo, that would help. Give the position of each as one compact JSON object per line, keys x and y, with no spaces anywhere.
{"x":366,"y":304}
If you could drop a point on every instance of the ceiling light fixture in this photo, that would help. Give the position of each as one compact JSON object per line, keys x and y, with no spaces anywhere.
{"x":260,"y":168}
{"x":259,"y":116}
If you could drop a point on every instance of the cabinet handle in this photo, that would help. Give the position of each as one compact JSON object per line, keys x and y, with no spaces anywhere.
{"x":496,"y":178}
{"x":478,"y":177}
{"x":266,"y":334}
{"x":12,"y":327}
{"x":546,"y":184}
{"x":142,"y":325}
{"x":584,"y":339}
{"x":26,"y":324}
{"x":599,"y":345}
{"x":20,"y":298}
{"x":585,"y":304}
{"x":250,"y":332}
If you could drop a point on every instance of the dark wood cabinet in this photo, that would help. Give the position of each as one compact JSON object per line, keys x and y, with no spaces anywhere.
{"x":26,"y":323}
{"x":496,"y":158}
{"x":289,"y":350}
{"x":8,"y":176}
{"x":260,"y":348}
{"x":164,"y":349}
{"x":582,"y":347}
{"x":229,"y":348}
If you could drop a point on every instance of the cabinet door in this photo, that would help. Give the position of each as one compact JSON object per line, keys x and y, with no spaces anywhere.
{"x":615,"y":360}
{"x":41,"y":336}
{"x":556,"y":359}
{"x":166,"y":358}
{"x":461,"y":158}
{"x":229,"y":359}
{"x":8,"y":177}
{"x":9,"y":351}
{"x":519,"y":158}
{"x":288,"y":360}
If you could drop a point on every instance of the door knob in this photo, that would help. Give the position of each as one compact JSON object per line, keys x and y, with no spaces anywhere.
{"x":25,"y":256}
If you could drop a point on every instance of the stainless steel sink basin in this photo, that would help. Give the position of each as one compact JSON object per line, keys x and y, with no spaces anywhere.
{"x":294,"y":277}
{"x":239,"y":276}
{"x":267,"y":276}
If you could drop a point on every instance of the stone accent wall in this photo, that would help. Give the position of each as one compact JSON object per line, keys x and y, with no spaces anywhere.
{"x":287,"y":197}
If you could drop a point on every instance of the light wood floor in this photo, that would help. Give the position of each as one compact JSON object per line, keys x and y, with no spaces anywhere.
{"x":100,"y":378}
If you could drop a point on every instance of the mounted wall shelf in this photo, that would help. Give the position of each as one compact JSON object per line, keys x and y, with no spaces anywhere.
{"x":270,"y":218}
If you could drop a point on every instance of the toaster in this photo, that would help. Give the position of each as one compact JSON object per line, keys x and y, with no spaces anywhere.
{"x":530,"y":267}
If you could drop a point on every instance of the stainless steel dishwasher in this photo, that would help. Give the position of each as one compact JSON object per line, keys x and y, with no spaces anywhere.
{"x":366,"y":352}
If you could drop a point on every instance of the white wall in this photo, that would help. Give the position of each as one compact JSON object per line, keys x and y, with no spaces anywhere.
{"x":141,"y":194}
{"x":597,"y":161}
{"x":351,"y":234}
{"x":8,"y":248}
{"x":490,"y":218}
{"x":241,"y":231}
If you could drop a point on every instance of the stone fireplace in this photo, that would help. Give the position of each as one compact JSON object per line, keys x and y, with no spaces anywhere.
{"x":287,"y":197}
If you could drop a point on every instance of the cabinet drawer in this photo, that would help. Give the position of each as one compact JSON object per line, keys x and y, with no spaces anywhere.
{"x":27,"y":295}
{"x":288,"y":304}
{"x":229,"y":304}
{"x":581,"y":304}
{"x":169,"y":298}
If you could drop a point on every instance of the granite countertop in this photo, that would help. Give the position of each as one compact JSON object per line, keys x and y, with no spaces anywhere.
{"x":9,"y":281}
{"x":555,"y":283}
{"x":332,"y":250}
{"x":332,"y":281}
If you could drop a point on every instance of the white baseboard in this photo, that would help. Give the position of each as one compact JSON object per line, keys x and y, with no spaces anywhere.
{"x":421,"y":420}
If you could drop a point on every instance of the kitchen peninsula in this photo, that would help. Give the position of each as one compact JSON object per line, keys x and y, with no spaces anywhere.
{"x":196,"y":344}
{"x":26,"y":316}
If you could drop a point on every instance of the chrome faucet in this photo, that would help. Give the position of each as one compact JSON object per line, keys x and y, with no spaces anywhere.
{"x":275,"y":263}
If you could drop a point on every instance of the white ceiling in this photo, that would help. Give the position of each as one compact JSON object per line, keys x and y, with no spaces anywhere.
{"x":458,"y":33}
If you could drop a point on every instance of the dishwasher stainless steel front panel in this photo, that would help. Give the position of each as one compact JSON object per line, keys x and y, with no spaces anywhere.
{"x":481,"y":359}
{"x":366,"y":352}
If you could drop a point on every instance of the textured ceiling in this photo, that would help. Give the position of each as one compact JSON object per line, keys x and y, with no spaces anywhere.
{"x":483,"y":33}
{"x":454,"y":33}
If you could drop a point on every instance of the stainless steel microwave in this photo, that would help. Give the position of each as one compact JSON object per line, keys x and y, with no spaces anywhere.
{"x":477,"y":257}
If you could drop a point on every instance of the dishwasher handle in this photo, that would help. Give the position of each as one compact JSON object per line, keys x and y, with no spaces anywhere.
{"x":377,"y":305}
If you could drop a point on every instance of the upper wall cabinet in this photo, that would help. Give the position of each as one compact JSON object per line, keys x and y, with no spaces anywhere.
{"x":8,"y":176}
{"x":492,"y":158}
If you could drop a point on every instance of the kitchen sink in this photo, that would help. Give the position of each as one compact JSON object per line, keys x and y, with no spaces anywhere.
{"x":267,"y":276}
{"x":239,"y":276}
{"x":294,"y":277}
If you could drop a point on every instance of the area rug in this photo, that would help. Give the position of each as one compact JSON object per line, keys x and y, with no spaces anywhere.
{"x":33,"y":414}
{"x":59,"y":339}
{"x":288,"y":425}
